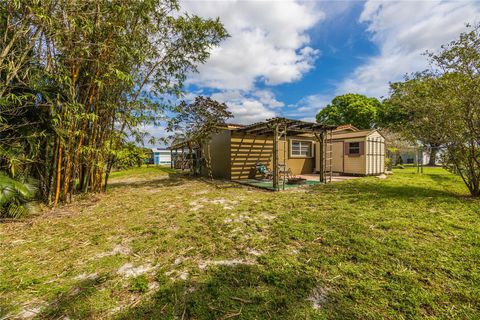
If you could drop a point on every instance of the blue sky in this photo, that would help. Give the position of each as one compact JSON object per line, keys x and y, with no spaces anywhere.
{"x":291,"y":58}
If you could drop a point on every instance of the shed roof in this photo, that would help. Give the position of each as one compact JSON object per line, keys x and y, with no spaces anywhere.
{"x":346,"y":127}
{"x":354,"y":134}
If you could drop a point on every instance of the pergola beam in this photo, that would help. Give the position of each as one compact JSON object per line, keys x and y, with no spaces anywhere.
{"x":290,"y":124}
{"x":275,"y":158}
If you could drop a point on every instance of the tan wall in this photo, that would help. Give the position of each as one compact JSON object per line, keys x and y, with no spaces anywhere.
{"x":246,"y":151}
{"x":337,"y":156}
{"x":351,"y":164}
{"x":219,"y":148}
{"x":354,"y":164}
{"x":296,"y":164}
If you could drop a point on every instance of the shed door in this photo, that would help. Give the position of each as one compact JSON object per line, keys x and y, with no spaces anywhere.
{"x":337,"y":157}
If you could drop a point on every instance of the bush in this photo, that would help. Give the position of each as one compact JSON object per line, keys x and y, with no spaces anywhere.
{"x":388,"y":163}
{"x":139,"y":284}
{"x":130,"y":156}
{"x":15,"y":197}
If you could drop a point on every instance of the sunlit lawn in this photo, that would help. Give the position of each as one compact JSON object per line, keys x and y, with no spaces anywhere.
{"x":160,"y":245}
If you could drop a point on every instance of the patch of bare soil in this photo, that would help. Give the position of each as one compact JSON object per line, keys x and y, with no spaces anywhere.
{"x":118,"y":249}
{"x":128,"y":270}
{"x":205,"y":264}
{"x":318,"y":297}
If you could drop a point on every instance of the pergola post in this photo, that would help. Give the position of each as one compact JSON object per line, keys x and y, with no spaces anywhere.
{"x":285,"y":146}
{"x":275,"y":158}
{"x":171,"y":159}
{"x":322,"y":157}
{"x":330,"y":145}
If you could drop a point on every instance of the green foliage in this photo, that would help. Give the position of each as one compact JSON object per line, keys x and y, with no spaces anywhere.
{"x":355,"y":109}
{"x":195,"y":122}
{"x":443,"y":106}
{"x":15,"y":197}
{"x":77,"y":78}
{"x":130,"y":156}
{"x":199,"y":119}
{"x":139,"y":284}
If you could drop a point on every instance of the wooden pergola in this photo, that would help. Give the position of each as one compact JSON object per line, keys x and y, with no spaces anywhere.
{"x":186,"y":148}
{"x":279,"y":127}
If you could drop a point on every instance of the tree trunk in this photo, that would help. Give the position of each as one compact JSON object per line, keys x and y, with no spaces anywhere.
{"x":208,"y":162}
{"x":433,"y":156}
{"x":59,"y":175}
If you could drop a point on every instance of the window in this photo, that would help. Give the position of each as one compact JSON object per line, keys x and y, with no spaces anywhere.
{"x":354,"y":148}
{"x":300,"y":148}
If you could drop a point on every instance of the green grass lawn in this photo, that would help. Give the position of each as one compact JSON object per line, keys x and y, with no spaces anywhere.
{"x":159,"y":245}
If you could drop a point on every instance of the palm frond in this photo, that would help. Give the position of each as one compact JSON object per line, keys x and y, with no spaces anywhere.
{"x":15,"y":196}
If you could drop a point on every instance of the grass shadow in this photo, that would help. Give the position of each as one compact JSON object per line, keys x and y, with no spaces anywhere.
{"x":221,"y":183}
{"x":238,"y":291}
{"x":172,"y":180}
{"x":403,"y":192}
{"x":388,"y":190}
{"x":76,"y":302}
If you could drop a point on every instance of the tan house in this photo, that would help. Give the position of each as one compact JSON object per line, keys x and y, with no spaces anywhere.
{"x":300,"y":148}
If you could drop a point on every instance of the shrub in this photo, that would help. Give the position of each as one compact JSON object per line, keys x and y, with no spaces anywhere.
{"x":15,"y":197}
{"x":139,"y":284}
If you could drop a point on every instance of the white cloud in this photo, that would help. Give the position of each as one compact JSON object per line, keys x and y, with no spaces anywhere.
{"x":249,"y":107}
{"x":158,"y":132}
{"x":267,"y":98}
{"x":307,"y":108}
{"x":268,"y":43}
{"x":402,"y":31}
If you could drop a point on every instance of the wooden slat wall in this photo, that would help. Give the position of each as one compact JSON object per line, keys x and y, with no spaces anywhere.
{"x":246,"y":151}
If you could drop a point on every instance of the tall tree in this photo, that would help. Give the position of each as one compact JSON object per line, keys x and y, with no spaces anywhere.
{"x":356,"y":109}
{"x":197,"y":121}
{"x":423,"y":130}
{"x":443,"y":103}
{"x":101,"y":69}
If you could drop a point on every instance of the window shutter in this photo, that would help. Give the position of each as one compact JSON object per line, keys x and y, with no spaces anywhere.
{"x":362,"y":148}
{"x":346,"y":150}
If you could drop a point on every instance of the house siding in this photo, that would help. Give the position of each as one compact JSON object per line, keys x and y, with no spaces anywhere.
{"x":298,"y":165}
{"x":219,"y":149}
{"x":375,"y":151}
{"x":234,"y":155}
{"x":354,"y":164}
{"x":246,"y":151}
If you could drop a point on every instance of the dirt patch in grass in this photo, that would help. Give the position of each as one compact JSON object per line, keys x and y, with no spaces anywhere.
{"x":233,"y":262}
{"x":318,"y":297}
{"x":31,"y":312}
{"x":226,"y":204}
{"x":85,"y":276}
{"x":129,"y":270}
{"x":118,"y":249}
